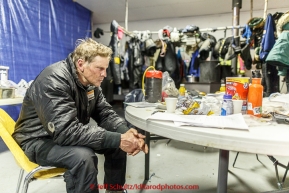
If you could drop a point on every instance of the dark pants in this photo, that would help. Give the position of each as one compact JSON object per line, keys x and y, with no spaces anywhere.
{"x":81,"y":164}
{"x":270,"y":79}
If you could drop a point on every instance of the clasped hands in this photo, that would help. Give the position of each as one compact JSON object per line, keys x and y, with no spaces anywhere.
{"x":133,"y":142}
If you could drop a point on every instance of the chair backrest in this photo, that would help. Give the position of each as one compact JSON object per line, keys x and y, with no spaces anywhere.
{"x":7,"y":121}
{"x":7,"y":125}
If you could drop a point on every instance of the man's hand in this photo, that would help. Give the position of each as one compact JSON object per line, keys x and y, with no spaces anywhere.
{"x":132,"y":142}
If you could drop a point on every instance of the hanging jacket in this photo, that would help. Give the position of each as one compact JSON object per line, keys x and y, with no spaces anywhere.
{"x":268,"y":39}
{"x":279,"y":59}
{"x":181,"y":62}
{"x":247,"y":33}
{"x":170,"y":59}
{"x":107,"y":83}
{"x":194,"y":65}
{"x":279,"y":54}
{"x":114,"y":64}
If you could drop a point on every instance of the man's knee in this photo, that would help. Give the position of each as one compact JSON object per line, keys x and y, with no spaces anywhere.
{"x":82,"y":172}
{"x":84,"y":157}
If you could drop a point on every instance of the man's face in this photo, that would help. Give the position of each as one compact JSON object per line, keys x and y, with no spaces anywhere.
{"x":94,"y":72}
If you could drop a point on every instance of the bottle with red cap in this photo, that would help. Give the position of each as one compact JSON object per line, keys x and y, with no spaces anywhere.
{"x":153,"y":86}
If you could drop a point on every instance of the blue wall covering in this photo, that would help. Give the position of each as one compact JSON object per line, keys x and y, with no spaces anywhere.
{"x":36,"y":33}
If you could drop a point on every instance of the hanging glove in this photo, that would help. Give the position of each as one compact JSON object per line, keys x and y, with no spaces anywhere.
{"x":247,"y":34}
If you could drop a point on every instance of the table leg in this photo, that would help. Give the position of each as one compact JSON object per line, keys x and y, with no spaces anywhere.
{"x":223,"y":171}
{"x":147,"y":156}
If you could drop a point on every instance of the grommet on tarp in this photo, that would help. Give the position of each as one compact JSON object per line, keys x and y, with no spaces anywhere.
{"x":152,"y":89}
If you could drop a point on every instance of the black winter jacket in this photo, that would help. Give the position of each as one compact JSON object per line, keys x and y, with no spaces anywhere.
{"x":56,"y":106}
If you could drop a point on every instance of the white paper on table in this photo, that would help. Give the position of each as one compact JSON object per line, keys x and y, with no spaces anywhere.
{"x":235,"y":121}
{"x":141,"y":104}
{"x":173,"y":117}
{"x":284,"y":98}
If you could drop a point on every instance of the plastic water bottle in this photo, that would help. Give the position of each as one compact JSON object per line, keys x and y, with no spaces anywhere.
{"x":227,"y":105}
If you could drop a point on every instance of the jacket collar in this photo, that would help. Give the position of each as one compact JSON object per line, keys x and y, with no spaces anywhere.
{"x":72,"y":68}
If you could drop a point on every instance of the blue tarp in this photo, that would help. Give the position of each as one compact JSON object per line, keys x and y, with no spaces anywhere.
{"x":36,"y":33}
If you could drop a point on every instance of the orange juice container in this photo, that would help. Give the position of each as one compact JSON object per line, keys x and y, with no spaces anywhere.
{"x":255,"y":98}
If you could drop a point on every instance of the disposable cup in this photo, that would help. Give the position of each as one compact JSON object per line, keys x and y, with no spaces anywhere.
{"x":237,"y":106}
{"x":171,"y":104}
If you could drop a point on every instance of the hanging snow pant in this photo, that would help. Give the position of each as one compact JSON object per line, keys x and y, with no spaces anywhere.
{"x":107,"y":84}
{"x":113,"y":44}
{"x":81,"y":164}
{"x":135,"y":64}
{"x":270,"y":79}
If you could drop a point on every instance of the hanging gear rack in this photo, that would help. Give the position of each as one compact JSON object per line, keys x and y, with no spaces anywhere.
{"x":221,"y":28}
{"x":208,"y":29}
{"x":133,"y":34}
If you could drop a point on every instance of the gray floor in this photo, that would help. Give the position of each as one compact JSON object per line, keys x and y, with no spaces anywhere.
{"x":176,"y":164}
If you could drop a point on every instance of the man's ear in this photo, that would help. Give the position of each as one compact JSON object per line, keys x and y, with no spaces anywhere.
{"x":80,"y":65}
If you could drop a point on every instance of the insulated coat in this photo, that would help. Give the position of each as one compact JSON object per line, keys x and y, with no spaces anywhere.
{"x":268,"y":39}
{"x":279,"y":54}
{"x":58,"y":107}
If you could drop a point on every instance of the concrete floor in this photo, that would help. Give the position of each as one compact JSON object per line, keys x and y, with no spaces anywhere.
{"x":176,"y":164}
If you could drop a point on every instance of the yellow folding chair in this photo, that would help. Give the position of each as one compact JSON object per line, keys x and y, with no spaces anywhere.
{"x":34,"y":171}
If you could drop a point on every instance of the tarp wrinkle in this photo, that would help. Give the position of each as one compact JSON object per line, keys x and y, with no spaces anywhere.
{"x":36,"y":33}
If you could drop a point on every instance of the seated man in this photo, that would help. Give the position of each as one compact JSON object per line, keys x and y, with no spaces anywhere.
{"x":53,"y":128}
